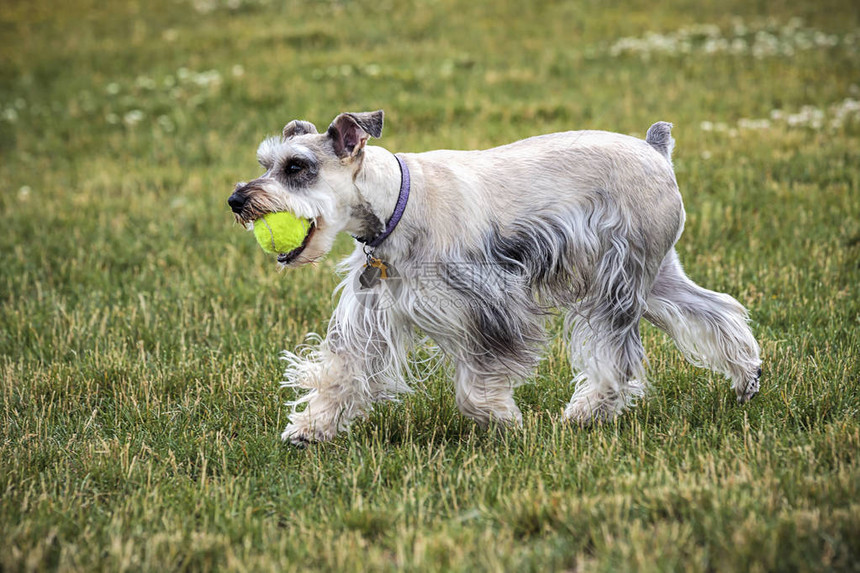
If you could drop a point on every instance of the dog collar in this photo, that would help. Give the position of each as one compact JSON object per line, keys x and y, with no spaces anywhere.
{"x":399,"y":208}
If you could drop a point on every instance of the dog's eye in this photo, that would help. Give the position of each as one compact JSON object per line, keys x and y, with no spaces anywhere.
{"x":294,"y":167}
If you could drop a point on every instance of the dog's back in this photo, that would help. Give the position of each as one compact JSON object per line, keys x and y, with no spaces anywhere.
{"x":567,"y":176}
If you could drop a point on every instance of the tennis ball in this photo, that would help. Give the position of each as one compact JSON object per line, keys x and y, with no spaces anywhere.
{"x":281,"y":232}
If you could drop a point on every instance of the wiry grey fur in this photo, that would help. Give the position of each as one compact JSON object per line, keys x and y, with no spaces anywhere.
{"x":490,"y":244}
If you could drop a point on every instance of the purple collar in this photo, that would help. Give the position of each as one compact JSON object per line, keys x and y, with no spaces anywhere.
{"x":405,"y":184}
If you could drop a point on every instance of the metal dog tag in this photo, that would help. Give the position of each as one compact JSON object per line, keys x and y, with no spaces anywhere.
{"x":369,"y":277}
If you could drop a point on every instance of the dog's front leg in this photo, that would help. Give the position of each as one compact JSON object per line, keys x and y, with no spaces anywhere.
{"x":485,"y":396}
{"x":361,"y":361}
{"x":331,"y":399}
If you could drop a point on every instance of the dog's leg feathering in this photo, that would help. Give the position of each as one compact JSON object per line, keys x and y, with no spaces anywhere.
{"x":610,"y":366}
{"x":361,"y":361}
{"x":603,"y":330}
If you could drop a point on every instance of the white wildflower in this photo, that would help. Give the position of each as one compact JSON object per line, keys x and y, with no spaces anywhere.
{"x":808,"y":116}
{"x":825,"y":40}
{"x":765,"y":44}
{"x":204,"y":6}
{"x":739,"y":46}
{"x":846,"y":111}
{"x":765,"y":40}
{"x":145,"y":83}
{"x":207,"y":78}
{"x":166,"y":123}
{"x":715,"y":45}
{"x":133,"y":117}
{"x":112,"y":88}
{"x":745,"y":123}
{"x":849,"y":105}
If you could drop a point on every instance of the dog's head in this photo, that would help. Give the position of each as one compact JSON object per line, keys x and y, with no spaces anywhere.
{"x":312,"y":175}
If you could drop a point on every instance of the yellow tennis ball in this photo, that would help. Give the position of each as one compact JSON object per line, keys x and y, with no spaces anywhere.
{"x":281,"y":232}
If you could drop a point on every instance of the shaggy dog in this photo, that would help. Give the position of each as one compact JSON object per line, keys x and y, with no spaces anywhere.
{"x":476,"y":249}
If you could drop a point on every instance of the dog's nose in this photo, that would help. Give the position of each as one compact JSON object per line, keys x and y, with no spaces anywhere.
{"x":236,"y":202}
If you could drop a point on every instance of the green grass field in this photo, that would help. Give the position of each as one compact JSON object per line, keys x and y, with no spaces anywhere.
{"x":140,"y":328}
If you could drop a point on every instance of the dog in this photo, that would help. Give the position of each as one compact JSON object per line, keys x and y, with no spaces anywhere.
{"x":477,"y":250}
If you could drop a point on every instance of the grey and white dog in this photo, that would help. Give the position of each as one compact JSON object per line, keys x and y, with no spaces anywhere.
{"x":490,"y":244}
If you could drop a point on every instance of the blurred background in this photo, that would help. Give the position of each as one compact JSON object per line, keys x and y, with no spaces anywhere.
{"x":123,"y":126}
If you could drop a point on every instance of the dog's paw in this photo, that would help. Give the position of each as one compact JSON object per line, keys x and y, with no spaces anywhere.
{"x":301,"y":435}
{"x":501,"y":414}
{"x":590,"y":405}
{"x":745,"y":393}
{"x":504,"y":420}
{"x":585,"y":412}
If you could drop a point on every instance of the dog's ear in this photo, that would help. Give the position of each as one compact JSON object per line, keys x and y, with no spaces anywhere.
{"x":349,"y":132}
{"x":298,"y":127}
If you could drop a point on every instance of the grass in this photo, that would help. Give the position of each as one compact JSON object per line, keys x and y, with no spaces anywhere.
{"x":140,"y":329}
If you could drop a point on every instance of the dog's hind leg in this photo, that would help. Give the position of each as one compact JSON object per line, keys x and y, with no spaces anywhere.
{"x":603,"y":336}
{"x":609,"y":361}
{"x":710,"y":328}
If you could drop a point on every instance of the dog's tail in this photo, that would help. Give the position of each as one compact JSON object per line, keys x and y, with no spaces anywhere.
{"x":659,"y":136}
